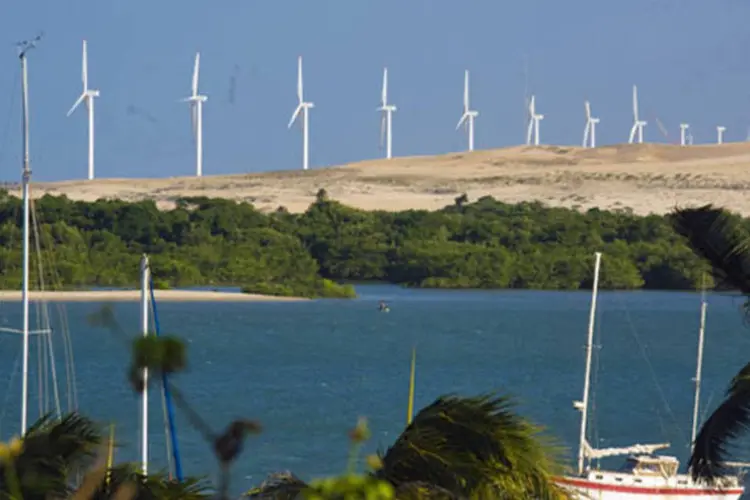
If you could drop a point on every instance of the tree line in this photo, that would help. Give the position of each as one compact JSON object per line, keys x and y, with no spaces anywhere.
{"x":483,"y":244}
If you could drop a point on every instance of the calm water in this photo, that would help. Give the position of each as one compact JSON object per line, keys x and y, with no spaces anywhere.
{"x":308,"y":370}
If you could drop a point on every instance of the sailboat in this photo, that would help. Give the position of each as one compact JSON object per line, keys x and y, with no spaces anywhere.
{"x":644,"y":473}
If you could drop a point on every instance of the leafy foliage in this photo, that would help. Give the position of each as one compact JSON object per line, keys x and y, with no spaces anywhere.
{"x":484,"y":244}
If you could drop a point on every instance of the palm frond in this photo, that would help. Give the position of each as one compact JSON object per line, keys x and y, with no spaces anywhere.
{"x":730,"y":420}
{"x":472,"y":445}
{"x":718,"y":237}
{"x":52,"y":451}
{"x":278,"y":486}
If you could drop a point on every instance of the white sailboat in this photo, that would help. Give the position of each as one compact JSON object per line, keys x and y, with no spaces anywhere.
{"x":644,"y":474}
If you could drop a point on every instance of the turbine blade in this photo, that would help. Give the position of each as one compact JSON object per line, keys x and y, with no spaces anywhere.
{"x":586,"y":133}
{"x":196,"y":70}
{"x":462,"y":120}
{"x":384,"y":95}
{"x":77,"y":103}
{"x":588,"y":110}
{"x":382,"y":130}
{"x":194,"y":118}
{"x":85,"y":68}
{"x":295,"y":115}
{"x":466,"y":90}
{"x":635,"y":102}
{"x":532,"y":106}
{"x":529,"y":131}
{"x":300,"y":88}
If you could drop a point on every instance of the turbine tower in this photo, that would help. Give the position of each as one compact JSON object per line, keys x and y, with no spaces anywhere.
{"x":303,"y":108}
{"x":534,"y":119}
{"x":87,"y":96}
{"x":589,"y":133}
{"x":683,"y":133}
{"x":467,"y":118}
{"x":386,"y":121}
{"x":637,"y":123}
{"x":720,"y":134}
{"x":196,"y":114}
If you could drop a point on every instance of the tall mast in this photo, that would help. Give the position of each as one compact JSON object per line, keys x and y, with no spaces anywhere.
{"x":583,"y":405}
{"x":144,"y":394}
{"x":24,"y":47}
{"x":698,"y":370}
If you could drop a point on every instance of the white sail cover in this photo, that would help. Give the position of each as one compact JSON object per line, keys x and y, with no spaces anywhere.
{"x":637,"y":449}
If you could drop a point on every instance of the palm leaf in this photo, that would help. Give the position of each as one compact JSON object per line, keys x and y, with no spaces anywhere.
{"x":474,"y":446}
{"x":728,"y":422}
{"x":718,"y":237}
{"x":53,"y":451}
{"x":278,"y":486}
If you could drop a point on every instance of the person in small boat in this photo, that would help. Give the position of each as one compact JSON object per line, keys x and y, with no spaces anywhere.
{"x":383,"y":307}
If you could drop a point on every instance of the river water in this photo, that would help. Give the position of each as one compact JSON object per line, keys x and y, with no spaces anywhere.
{"x":307,"y":370}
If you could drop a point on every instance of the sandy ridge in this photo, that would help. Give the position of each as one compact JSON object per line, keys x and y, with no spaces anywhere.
{"x":647,"y":178}
{"x":135,"y":295}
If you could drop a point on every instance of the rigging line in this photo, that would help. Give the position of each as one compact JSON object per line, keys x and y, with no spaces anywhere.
{"x":595,"y":381}
{"x":165,"y":413}
{"x":650,"y":366}
{"x":70,"y":376}
{"x":165,"y":384}
{"x":45,"y":313}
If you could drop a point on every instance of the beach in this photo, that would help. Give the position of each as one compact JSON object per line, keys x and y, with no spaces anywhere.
{"x":135,"y":295}
{"x":645,"y":178}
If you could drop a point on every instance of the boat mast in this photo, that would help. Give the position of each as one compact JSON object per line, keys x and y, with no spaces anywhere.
{"x":144,"y":394}
{"x":24,"y":47}
{"x":698,"y":370}
{"x":583,"y":405}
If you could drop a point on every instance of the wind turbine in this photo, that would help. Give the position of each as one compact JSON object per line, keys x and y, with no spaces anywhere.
{"x":467,"y":118}
{"x":683,"y":133}
{"x":87,"y":96}
{"x":637,"y":123}
{"x":386,"y":122}
{"x":534,"y":119}
{"x":720,"y":134}
{"x":304,"y":108}
{"x":196,"y":109}
{"x":589,"y":133}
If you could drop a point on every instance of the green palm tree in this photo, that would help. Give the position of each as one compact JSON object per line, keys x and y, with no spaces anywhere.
{"x":722,"y":239}
{"x":459,"y":447}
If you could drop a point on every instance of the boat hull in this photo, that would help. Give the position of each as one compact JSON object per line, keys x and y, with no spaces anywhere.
{"x":627,"y":489}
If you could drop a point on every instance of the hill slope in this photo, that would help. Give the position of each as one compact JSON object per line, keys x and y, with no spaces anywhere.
{"x":648,"y":178}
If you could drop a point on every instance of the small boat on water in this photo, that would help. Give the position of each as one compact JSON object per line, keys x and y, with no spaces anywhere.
{"x":644,"y":474}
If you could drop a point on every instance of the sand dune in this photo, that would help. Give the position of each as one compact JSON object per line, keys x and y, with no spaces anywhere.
{"x":134,"y":295}
{"x":648,"y":178}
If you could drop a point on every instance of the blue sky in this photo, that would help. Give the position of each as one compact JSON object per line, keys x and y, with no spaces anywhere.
{"x":688,"y":58}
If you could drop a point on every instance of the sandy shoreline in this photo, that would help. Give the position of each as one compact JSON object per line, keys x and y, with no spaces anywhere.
{"x":135,"y":295}
{"x":647,"y":178}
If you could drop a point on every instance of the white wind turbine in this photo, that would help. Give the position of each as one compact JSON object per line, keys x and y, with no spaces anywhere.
{"x":87,"y":96}
{"x":534,"y":119}
{"x":386,"y":122}
{"x":683,"y":133}
{"x":469,"y":115}
{"x":720,"y":134}
{"x":589,"y":133}
{"x":196,"y":114}
{"x":638,"y":124}
{"x":304,"y":108}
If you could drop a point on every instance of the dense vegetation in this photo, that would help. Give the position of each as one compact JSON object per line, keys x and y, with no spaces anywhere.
{"x":485,"y":244}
